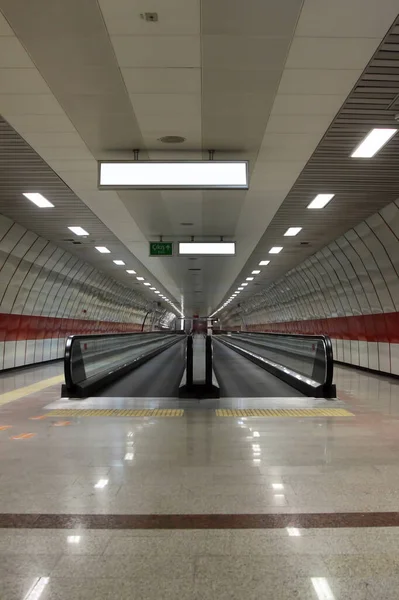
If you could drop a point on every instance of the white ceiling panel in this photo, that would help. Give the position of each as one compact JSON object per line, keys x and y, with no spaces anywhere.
{"x":176,"y":17}
{"x":307,"y":104}
{"x":318,"y":81}
{"x":78,"y":152}
{"x":251,"y":53}
{"x":5,"y":29}
{"x":186,"y":105}
{"x":162,"y":81}
{"x":41,"y":123}
{"x":22,"y":81}
{"x":288,"y":146}
{"x":251,"y":18}
{"x":54,"y":140}
{"x":330,"y":53}
{"x":29,"y":104}
{"x":298,"y":123}
{"x":161,"y":51}
{"x":346,"y":18}
{"x":231,"y":80}
{"x":155,"y":127}
{"x":73,"y":165}
{"x":273,"y":175}
{"x":79,"y":181}
{"x":12,"y":54}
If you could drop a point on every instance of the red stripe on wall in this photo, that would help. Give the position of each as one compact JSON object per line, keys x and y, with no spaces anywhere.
{"x":370,"y":328}
{"x":27,"y":327}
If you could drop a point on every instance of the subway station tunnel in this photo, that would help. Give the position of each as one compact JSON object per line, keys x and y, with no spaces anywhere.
{"x":199,"y":295}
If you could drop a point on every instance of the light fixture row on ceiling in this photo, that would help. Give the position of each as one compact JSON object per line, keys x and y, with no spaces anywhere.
{"x":368,"y":147}
{"x":42,"y":202}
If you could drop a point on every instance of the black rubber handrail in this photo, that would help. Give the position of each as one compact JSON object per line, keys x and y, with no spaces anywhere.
{"x":69,"y":383}
{"x":327,"y":385}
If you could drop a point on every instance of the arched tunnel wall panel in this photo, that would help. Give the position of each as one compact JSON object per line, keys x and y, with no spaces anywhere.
{"x":348,"y":290}
{"x":46,"y":294}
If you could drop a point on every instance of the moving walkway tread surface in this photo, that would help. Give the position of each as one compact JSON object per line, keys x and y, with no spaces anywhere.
{"x":158,"y":378}
{"x":238,"y":377}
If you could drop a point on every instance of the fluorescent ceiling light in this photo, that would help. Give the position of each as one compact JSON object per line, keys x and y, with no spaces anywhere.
{"x":130,"y":271}
{"x":240,"y":288}
{"x":244,"y":284}
{"x":249,"y":279}
{"x":78,"y":230}
{"x":373,"y":142}
{"x":321,"y":200}
{"x":103,"y":250}
{"x":207,"y":248}
{"x":275,"y":250}
{"x":152,"y":288}
{"x":173,"y":174}
{"x":147,"y":283}
{"x":322,"y":588}
{"x":255,"y":272}
{"x":119,"y":262}
{"x":140,"y":278}
{"x":291,"y":231}
{"x":156,"y":292}
{"x":263,"y":263}
{"x":38,"y":199}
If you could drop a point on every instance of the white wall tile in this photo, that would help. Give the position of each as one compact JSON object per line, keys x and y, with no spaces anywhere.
{"x":30,"y":351}
{"x":340,"y":350}
{"x":373,"y":355}
{"x":2,"y":345}
{"x":9,"y":355}
{"x":384,"y":357}
{"x":347,"y":351}
{"x":354,"y":352}
{"x":20,"y":353}
{"x":394,"y":358}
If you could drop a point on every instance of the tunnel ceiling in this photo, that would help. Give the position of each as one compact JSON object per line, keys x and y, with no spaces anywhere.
{"x":292,"y":87}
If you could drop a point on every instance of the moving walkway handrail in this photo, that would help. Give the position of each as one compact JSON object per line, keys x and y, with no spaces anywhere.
{"x":84,"y":373}
{"x":316,"y":362}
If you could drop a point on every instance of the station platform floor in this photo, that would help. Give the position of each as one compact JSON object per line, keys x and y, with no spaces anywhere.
{"x":190,"y":503}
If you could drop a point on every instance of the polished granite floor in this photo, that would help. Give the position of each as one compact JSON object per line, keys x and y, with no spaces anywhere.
{"x":204,"y":466}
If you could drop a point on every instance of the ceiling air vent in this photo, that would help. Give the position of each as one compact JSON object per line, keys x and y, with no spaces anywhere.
{"x":304,"y":243}
{"x":172,"y":139}
{"x":194,"y":269}
{"x":150,"y":17}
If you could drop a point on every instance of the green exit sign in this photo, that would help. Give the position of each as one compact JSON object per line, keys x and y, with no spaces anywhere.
{"x":161,"y":249}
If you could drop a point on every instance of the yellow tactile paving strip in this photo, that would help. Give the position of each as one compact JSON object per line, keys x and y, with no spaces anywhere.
{"x":116,"y":412}
{"x":284,"y":412}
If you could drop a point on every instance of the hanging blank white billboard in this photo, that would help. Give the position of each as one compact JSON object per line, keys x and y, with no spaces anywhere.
{"x":173,"y":175}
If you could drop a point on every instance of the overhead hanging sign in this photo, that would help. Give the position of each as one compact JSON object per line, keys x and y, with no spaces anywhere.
{"x":161,"y":249}
{"x":207,"y":248}
{"x":170,"y":175}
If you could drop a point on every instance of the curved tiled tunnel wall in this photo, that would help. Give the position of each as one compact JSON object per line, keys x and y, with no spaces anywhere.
{"x":349,"y":290}
{"x":46,"y":294}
